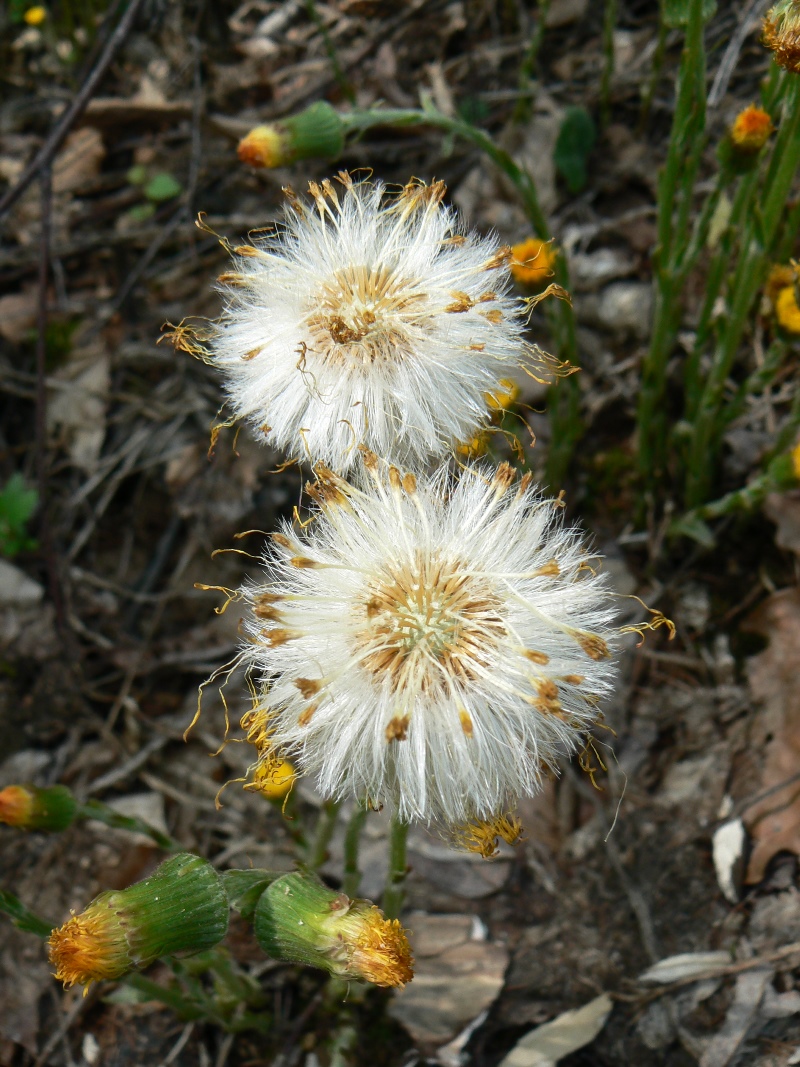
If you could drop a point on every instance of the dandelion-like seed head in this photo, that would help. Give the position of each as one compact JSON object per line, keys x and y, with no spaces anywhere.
{"x":367,"y":319}
{"x":782,"y":33}
{"x":432,"y":645}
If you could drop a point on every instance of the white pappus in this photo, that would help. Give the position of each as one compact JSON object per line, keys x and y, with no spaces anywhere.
{"x":430,"y":644}
{"x":367,"y":318}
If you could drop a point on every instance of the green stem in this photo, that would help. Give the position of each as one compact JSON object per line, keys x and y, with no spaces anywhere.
{"x":756,"y":382}
{"x":394,"y":894}
{"x":760,"y":235}
{"x":352,"y":839}
{"x":529,"y":63}
{"x":326,"y":824}
{"x":675,"y":197}
{"x":96,"y":809}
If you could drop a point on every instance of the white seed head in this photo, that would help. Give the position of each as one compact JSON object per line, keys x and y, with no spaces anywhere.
{"x":367,"y":319}
{"x":430,"y":645}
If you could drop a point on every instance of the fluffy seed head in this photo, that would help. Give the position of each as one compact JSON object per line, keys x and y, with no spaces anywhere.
{"x":782,"y":33}
{"x":367,"y":318}
{"x":447,"y":641}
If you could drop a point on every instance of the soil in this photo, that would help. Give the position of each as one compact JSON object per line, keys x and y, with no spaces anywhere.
{"x":102,"y":654}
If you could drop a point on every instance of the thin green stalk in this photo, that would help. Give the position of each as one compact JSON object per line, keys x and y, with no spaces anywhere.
{"x":96,"y":809}
{"x":675,"y":196}
{"x":609,"y":24}
{"x":326,"y":823}
{"x":524,"y":104}
{"x":760,"y":234}
{"x":394,"y":894}
{"x":352,"y":840}
{"x":757,"y":382}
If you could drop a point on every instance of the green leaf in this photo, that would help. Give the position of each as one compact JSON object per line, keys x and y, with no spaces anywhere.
{"x":17,"y":504}
{"x":575,"y":142}
{"x":676,"y":12}
{"x":162,"y":187}
{"x":21,"y":917}
{"x":137,"y":175}
{"x":691,"y":525}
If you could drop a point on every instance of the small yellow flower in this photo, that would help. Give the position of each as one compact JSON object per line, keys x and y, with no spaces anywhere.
{"x":503,"y":395}
{"x":533,"y":262}
{"x":481,"y":835}
{"x":273,"y":780}
{"x":752,"y":129}
{"x":476,"y":446}
{"x":35,"y":16}
{"x":787,"y":311}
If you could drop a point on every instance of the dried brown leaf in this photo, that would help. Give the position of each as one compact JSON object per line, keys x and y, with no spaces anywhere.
{"x":774,"y":822}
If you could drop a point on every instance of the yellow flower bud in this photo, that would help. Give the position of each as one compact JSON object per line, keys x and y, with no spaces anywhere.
{"x":751,"y":129}
{"x":181,"y":908}
{"x":786,"y":310}
{"x":300,"y":920}
{"x":533,"y":262}
{"x":35,"y":16}
{"x":316,"y":132}
{"x":29,"y":808}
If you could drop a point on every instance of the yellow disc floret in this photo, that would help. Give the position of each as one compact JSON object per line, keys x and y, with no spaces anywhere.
{"x":90,"y":947}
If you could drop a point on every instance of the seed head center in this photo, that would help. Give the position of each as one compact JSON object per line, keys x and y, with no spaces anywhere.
{"x":362,"y":314}
{"x":428,"y":619}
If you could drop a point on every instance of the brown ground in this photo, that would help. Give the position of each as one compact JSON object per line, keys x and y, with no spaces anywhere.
{"x":101,"y":659}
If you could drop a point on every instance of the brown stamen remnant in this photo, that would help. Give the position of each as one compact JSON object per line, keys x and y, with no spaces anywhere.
{"x":594,"y":646}
{"x":426,"y":620}
{"x":365,"y":315}
{"x":397,"y":728}
{"x":466,"y":723}
{"x":537,"y":657}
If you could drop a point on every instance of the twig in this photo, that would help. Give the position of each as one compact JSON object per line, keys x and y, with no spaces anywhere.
{"x":46,"y":153}
{"x":747,"y":24}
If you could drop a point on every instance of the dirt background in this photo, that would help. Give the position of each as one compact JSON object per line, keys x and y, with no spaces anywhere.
{"x":105,"y":638}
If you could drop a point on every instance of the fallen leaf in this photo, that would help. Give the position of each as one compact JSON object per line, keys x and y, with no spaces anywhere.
{"x":727,"y":848}
{"x":18,"y":314}
{"x":685,"y":965}
{"x":784,"y":510}
{"x":78,"y":407}
{"x":774,"y":822}
{"x":456,"y":978}
{"x":747,"y":997}
{"x":547,"y":1044}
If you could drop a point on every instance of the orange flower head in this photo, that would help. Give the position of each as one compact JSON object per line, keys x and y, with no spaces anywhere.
{"x":380,"y":952}
{"x":751,"y":129}
{"x":264,"y":146}
{"x":90,"y":947}
{"x":16,"y":806}
{"x":782,"y":34}
{"x":533,"y":262}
